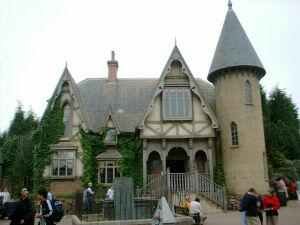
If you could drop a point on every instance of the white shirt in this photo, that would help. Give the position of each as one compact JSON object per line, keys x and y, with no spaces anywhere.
{"x":6,"y":196}
{"x":195,"y":207}
{"x":110,"y":194}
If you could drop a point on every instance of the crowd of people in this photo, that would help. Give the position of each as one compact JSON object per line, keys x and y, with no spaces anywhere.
{"x":253,"y":205}
{"x":25,"y":211}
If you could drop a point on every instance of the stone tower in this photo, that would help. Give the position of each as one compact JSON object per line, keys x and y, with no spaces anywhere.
{"x":235,"y":72}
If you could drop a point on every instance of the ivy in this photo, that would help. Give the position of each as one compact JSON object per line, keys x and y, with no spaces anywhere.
{"x":92,"y":145}
{"x":129,"y":146}
{"x":50,"y":130}
{"x":219,"y":175}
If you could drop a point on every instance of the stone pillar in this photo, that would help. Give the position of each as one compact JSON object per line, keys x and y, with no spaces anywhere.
{"x":210,"y":158}
{"x":191,"y":161}
{"x":164,"y":162}
{"x":145,"y":158}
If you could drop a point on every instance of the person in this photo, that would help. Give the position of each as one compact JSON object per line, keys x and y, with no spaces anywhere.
{"x":271,"y":205}
{"x":185,"y":204}
{"x":88,"y":195}
{"x":282,"y":191}
{"x":24,"y":212}
{"x":45,"y":209}
{"x":292,"y":189}
{"x":243,"y":211}
{"x":250,"y":204}
{"x":197,"y":212}
{"x":110,"y":194}
{"x":6,"y":195}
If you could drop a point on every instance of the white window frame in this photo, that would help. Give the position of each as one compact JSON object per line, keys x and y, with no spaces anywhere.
{"x":105,"y":165}
{"x":58,"y":156}
{"x":170,"y":101}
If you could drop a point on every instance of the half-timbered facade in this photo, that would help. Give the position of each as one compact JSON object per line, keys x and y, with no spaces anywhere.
{"x":186,"y":124}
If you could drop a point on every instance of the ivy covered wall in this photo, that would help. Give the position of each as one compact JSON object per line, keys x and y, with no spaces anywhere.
{"x":50,"y":130}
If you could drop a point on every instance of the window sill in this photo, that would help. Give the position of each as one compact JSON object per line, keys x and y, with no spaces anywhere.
{"x":62,"y":178}
{"x":250,"y":104}
{"x":234,"y":146}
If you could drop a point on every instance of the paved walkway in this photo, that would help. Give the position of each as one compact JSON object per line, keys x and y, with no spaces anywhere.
{"x":289,"y":215}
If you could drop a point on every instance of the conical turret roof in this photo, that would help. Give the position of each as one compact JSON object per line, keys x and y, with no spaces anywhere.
{"x":234,"y":49}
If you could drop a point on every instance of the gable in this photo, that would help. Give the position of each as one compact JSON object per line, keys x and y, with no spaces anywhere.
{"x":176,"y":77}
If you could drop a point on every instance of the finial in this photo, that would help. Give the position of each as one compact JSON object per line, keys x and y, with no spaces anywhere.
{"x":112,"y":55}
{"x":175,"y":41}
{"x":66,"y":64}
{"x":229,"y":4}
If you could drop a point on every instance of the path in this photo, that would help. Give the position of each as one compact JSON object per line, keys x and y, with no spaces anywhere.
{"x":289,"y":215}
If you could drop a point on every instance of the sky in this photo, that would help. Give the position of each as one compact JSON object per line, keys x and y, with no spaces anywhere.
{"x":37,"y":38}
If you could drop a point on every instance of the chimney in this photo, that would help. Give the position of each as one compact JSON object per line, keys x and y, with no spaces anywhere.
{"x":112,"y":67}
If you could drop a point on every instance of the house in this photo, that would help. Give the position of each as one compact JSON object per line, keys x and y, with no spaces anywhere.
{"x":186,"y":124}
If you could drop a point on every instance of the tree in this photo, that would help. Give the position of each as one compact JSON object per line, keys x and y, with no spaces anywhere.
{"x":17,"y":149}
{"x":281,"y":125}
{"x":284,"y":120}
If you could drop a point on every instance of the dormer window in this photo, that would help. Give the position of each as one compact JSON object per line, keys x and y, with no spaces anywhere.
{"x":177,"y":104}
{"x":111,"y":137}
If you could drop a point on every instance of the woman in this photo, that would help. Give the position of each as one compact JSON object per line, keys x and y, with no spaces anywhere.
{"x":46,"y":210}
{"x":271,"y":205}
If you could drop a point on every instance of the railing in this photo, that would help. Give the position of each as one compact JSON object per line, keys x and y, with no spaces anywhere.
{"x":184,"y":183}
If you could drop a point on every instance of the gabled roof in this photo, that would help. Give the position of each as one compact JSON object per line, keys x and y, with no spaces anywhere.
{"x":234,"y":49}
{"x":66,"y":76}
{"x":127,"y":99}
{"x":194,"y":86}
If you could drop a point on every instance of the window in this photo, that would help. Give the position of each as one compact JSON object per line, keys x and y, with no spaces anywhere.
{"x":63,"y":164}
{"x":177,"y":104}
{"x":111,"y":137}
{"x":108,"y":171}
{"x":67,"y":120}
{"x":234,"y":134}
{"x":248,"y":93}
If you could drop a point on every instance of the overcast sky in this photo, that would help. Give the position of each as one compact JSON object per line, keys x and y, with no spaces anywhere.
{"x":38,"y":36}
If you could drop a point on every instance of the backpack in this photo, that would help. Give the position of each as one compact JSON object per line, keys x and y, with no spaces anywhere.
{"x":58,"y":210}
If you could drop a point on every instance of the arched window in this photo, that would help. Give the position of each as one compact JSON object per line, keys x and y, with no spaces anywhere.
{"x":248,"y":93}
{"x":234,"y":134}
{"x":67,"y":120}
{"x":176,"y":66}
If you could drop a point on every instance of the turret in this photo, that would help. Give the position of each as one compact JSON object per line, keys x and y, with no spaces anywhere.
{"x":235,"y":72}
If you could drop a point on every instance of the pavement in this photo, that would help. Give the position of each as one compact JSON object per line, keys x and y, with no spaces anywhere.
{"x":289,"y":215}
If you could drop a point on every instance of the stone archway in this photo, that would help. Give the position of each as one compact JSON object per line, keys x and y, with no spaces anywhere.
{"x":154,"y":164}
{"x":177,"y":160}
{"x":201,"y":162}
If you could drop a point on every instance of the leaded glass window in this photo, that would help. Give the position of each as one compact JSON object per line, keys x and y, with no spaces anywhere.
{"x":67,"y":120}
{"x":248,"y":93}
{"x":63,"y":164}
{"x":234,"y":134}
{"x":177,"y":104}
{"x":108,"y":171}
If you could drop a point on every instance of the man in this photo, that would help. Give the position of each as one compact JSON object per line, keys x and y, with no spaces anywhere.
{"x":196,"y":212}
{"x":88,"y":195}
{"x":110,"y":194}
{"x":250,"y":204}
{"x":24,"y":213}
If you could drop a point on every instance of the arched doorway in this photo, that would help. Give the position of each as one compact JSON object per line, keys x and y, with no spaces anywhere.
{"x":177,"y":161}
{"x":154,"y":165}
{"x":201,"y":162}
